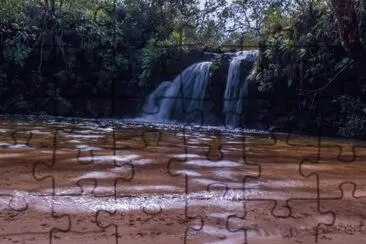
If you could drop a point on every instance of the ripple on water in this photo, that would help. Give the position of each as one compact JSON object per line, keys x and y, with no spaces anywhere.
{"x":188,"y":172}
{"x":16,"y":146}
{"x":87,"y":148}
{"x":97,"y":175}
{"x":102,"y":159}
{"x":208,"y":163}
{"x":187,"y":156}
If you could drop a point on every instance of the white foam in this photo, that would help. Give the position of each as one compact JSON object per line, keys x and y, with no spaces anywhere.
{"x":207,"y":163}
{"x":142,"y":161}
{"x":97,"y":175}
{"x":188,"y":172}
{"x":87,"y":148}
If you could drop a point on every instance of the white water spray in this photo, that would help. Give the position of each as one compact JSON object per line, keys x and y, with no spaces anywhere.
{"x":187,"y":93}
{"x":236,"y":91}
{"x":184,"y":95}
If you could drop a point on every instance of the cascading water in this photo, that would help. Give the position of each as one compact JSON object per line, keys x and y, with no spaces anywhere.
{"x":236,"y":90}
{"x":182,"y":96}
{"x":185,"y":98}
{"x":151,"y":107}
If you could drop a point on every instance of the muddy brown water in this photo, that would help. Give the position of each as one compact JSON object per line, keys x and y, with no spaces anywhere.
{"x":130,"y":183}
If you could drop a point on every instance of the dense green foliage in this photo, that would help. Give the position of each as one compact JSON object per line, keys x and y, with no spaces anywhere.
{"x":301,"y":54}
{"x":56,"y":52}
{"x":51,"y":50}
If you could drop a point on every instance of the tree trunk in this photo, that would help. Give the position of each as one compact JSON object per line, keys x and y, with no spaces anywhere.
{"x":362,"y":22}
{"x":348,"y":28}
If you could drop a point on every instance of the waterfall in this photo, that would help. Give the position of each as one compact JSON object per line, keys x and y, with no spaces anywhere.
{"x":236,"y":91}
{"x":181,"y":97}
{"x":186,"y":98}
{"x":151,"y":107}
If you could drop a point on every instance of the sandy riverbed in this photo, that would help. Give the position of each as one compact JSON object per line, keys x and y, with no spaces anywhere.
{"x":64,"y":183}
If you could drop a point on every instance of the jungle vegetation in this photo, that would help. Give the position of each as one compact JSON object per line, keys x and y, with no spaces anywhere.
{"x":53,"y":50}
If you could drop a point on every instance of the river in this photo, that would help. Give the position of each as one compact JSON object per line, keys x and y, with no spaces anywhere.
{"x":107,"y":181}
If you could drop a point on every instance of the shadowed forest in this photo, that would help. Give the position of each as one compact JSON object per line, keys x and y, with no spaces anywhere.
{"x":94,"y":58}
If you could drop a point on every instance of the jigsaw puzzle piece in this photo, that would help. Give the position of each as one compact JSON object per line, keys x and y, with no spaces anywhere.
{"x":207,"y":211}
{"x":216,"y":158}
{"x":18,"y":157}
{"x":261,"y":222}
{"x":129,"y":222}
{"x":349,"y":213}
{"x":38,"y":222}
{"x":148,"y":163}
{"x":67,"y":156}
{"x":279,"y":178}
{"x":81,"y":210}
{"x":334,"y":168}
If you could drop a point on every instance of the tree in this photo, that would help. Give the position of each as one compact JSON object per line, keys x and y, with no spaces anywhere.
{"x":348,"y":25}
{"x":249,"y":16}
